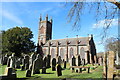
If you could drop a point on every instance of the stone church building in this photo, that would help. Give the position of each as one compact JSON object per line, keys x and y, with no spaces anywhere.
{"x":65,"y":48}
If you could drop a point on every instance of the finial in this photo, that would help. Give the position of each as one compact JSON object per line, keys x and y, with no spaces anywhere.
{"x":51,"y":19}
{"x":40,"y":17}
{"x":91,"y":35}
{"x":47,"y":17}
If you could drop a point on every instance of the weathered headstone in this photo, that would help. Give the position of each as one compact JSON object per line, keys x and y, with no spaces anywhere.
{"x":17,"y":63}
{"x":73,"y":61}
{"x":100,"y":61}
{"x":37,"y":64}
{"x":43,"y":70}
{"x":33,"y":57}
{"x":83,"y":62}
{"x":40,"y":59}
{"x":12,"y":61}
{"x":26,"y":66}
{"x":8,"y":62}
{"x":22,"y":68}
{"x":26,"y":62}
{"x":64,"y":64}
{"x":48,"y":61}
{"x":5,"y":58}
{"x":28,"y":73}
{"x":53,"y":64}
{"x":59,"y":70}
{"x":10,"y":72}
{"x":59,"y":60}
{"x":79,"y":61}
{"x":44,"y":62}
{"x":30,"y":67}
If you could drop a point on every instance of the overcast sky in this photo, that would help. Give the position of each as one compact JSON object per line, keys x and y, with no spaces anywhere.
{"x":27,"y":14}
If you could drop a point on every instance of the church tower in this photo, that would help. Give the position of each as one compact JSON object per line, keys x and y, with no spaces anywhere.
{"x":45,"y":30}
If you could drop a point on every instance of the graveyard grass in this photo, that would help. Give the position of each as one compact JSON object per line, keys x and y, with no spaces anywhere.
{"x":66,"y":73}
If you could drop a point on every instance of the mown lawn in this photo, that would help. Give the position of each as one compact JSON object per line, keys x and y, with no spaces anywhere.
{"x":66,"y":73}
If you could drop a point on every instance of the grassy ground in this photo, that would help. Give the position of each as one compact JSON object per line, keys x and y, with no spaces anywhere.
{"x":66,"y":73}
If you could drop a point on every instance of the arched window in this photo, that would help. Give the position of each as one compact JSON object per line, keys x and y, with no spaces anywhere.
{"x":62,"y":53}
{"x":52,"y":53}
{"x":82,"y":53}
{"x":71,"y":53}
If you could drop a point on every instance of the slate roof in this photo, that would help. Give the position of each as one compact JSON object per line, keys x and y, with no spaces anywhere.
{"x":71,"y":41}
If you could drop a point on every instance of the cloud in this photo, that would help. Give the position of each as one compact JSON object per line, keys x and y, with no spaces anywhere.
{"x":103,"y":23}
{"x":11,"y":17}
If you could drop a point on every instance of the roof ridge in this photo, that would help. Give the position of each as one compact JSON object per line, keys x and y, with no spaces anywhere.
{"x":68,"y":38}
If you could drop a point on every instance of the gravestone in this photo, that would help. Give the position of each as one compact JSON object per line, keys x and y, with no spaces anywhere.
{"x":43,"y":70}
{"x":73,"y":61}
{"x":10,"y":72}
{"x":40,"y":59}
{"x":64,"y":64}
{"x":44,"y":62}
{"x":18,"y":63}
{"x":26,"y":66}
{"x":37,"y":64}
{"x":100,"y":61}
{"x":30,"y":67}
{"x":79,"y":60}
{"x":5,"y":58}
{"x":53,"y":64}
{"x":83,"y":62}
{"x":12,"y":61}
{"x":48,"y":61}
{"x":59,"y":60}
{"x":28,"y":73}
{"x":44,"y":65}
{"x":8,"y":62}
{"x":26,"y":62}
{"x":32,"y":57}
{"x":22,"y":68}
{"x":59,"y":70}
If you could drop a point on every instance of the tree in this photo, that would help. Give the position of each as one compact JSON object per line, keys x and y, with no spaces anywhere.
{"x":105,"y":8}
{"x":18,"y":40}
{"x":112,"y":44}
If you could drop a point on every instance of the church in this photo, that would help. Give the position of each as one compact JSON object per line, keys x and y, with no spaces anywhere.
{"x":65,"y":48}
